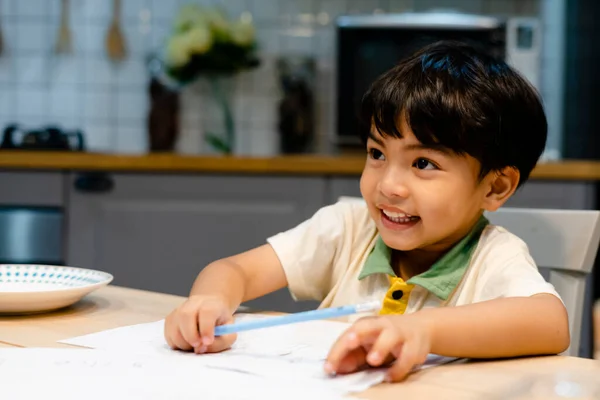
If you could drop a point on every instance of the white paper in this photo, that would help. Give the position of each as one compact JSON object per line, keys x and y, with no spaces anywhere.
{"x":99,"y":375}
{"x":294,"y":352}
{"x":288,"y":352}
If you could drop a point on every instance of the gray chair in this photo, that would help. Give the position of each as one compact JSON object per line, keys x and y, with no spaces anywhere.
{"x":566,"y":243}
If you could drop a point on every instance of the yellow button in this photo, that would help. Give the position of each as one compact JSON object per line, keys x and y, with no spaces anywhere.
{"x":396,"y":298}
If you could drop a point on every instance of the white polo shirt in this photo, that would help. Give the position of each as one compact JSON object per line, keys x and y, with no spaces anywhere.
{"x":338,"y":258}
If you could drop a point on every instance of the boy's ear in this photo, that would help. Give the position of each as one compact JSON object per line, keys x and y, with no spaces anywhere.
{"x":500,"y":186}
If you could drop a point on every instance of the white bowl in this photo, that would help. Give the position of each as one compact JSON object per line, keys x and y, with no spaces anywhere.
{"x":31,"y":288}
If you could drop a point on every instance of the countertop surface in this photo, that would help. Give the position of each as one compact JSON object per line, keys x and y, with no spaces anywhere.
{"x":350,"y":165}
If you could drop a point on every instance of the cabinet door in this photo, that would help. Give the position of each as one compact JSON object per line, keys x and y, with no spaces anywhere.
{"x":156,"y":232}
{"x":343,"y":186}
{"x":31,"y":189}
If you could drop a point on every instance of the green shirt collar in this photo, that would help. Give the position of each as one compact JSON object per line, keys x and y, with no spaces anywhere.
{"x":443,"y":276}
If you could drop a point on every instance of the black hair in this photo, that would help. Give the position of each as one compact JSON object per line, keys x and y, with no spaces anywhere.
{"x":455,"y":95}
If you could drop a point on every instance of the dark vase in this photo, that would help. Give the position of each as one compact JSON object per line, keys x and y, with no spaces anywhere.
{"x":163,"y":117}
{"x":296,"y":117}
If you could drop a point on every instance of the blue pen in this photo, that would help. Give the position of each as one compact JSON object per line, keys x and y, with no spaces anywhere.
{"x":297,"y":317}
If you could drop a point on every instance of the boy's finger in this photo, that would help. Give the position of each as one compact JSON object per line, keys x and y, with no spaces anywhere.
{"x":221,"y":343}
{"x":354,"y":337}
{"x":207,"y":319}
{"x":169,"y":340}
{"x":188,"y":326}
{"x":179,"y":342}
{"x":386,"y":343}
{"x":340,"y":349}
{"x":224,"y":342}
{"x":353,"y":361}
{"x":167,"y":328}
{"x":407,"y":359}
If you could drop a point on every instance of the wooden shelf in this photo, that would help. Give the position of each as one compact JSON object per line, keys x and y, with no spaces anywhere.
{"x":280,"y":165}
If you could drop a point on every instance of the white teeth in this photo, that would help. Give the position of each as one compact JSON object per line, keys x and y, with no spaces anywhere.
{"x":400,"y":218}
{"x":395,"y":214}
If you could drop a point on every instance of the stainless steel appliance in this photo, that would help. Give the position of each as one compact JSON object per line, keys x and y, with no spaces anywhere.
{"x":31,"y":203}
{"x":31,"y":235}
{"x":368,"y":45}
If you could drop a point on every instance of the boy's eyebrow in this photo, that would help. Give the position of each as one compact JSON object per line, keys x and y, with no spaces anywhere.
{"x":432,"y":147}
{"x":376,"y":139}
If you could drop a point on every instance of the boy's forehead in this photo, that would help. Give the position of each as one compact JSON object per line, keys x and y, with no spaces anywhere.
{"x":407,"y":138}
{"x":410,"y":142}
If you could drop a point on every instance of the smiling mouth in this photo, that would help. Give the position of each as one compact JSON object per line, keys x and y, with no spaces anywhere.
{"x":399,"y":218}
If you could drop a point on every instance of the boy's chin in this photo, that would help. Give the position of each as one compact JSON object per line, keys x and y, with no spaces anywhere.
{"x":395,"y":244}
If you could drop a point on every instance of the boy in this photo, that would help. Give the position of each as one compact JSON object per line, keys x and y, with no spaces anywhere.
{"x":453,"y":133}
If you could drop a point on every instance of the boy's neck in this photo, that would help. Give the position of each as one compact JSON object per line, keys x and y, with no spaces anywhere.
{"x":412,"y":263}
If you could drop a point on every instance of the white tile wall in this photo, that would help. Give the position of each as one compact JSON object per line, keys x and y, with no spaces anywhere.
{"x":109,"y":102}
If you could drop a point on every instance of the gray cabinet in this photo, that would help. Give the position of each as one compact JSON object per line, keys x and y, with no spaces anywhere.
{"x":31,"y":188}
{"x":342,"y":186}
{"x":156,"y":232}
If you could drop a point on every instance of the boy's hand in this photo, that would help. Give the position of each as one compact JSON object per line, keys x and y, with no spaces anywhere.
{"x":376,"y":341}
{"x":192,"y":325}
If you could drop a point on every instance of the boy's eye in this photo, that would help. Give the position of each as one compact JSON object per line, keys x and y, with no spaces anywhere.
{"x":423,"y":163}
{"x":376,"y":154}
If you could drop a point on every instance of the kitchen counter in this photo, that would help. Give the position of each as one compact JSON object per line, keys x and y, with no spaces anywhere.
{"x":350,"y":165}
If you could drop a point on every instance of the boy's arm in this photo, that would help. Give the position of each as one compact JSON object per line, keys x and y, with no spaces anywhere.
{"x":499,"y":328}
{"x":307,"y":250}
{"x":242,"y":277}
{"x":505,"y":327}
{"x":217,"y":292}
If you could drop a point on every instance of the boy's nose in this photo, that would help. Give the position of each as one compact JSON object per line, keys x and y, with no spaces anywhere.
{"x":393,"y":184}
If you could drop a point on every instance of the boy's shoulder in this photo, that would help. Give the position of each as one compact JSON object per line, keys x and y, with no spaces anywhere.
{"x":351,"y":208}
{"x":349,"y":217}
{"x":499,"y":244}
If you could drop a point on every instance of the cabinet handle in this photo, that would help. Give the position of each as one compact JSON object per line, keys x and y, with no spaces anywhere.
{"x":94,"y":182}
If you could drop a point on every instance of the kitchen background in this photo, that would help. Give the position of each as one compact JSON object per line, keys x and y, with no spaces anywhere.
{"x":109,"y":101}
{"x":143,"y":224}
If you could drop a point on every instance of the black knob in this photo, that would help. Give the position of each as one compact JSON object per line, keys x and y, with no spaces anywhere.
{"x":94,"y":182}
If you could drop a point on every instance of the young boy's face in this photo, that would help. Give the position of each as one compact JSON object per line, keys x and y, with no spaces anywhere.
{"x":419,"y":197}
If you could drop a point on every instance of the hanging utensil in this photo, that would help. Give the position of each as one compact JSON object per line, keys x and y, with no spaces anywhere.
{"x":64,"y":42}
{"x":115,"y":42}
{"x":1,"y":43}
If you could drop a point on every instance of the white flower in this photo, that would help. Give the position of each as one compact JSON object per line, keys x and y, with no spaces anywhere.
{"x":178,"y":51}
{"x":217,"y":20}
{"x":242,"y":33}
{"x":187,"y":16}
{"x":199,"y":39}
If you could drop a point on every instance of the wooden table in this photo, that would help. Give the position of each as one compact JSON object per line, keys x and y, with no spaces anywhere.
{"x":113,"y":307}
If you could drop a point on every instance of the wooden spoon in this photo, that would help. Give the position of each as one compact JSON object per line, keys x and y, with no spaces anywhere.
{"x":63,"y":43}
{"x":1,"y":43}
{"x":115,"y":42}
